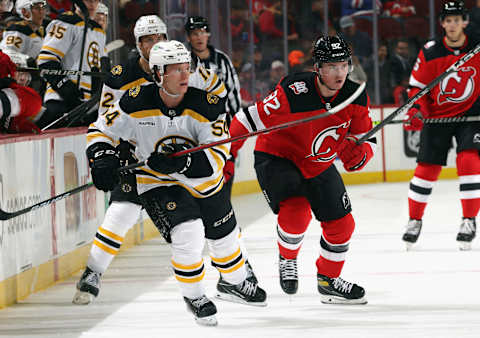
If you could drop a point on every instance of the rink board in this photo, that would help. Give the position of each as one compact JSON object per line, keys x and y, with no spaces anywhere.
{"x":45,"y":246}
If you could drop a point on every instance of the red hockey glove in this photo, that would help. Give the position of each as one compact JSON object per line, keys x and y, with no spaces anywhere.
{"x":354,"y":156}
{"x":23,"y":126}
{"x":7,"y":67}
{"x":414,"y":119}
{"x":229,"y":169}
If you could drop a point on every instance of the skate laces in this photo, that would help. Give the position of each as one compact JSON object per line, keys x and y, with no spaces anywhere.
{"x":288,"y":269}
{"x":342,"y":285}
{"x":468,"y":226}
{"x":200,"y":301}
{"x":248,"y":288}
{"x":414,"y":226}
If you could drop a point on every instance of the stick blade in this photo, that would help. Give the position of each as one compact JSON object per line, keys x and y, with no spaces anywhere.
{"x":114,"y":45}
{"x":5,"y":215}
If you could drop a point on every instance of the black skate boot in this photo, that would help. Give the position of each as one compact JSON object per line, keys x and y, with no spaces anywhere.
{"x":339,"y":291}
{"x":250,"y":274}
{"x":203,"y":309}
{"x":466,"y":234}
{"x":414,"y":226}
{"x":246,"y":292}
{"x":87,"y":287}
{"x":288,"y":275}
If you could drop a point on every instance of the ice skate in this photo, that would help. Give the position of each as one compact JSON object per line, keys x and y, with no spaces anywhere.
{"x":410,"y":237}
{"x":246,"y":292}
{"x":288,"y":275}
{"x":203,"y":309}
{"x":339,"y":291}
{"x":87,"y":287}
{"x":250,"y":274}
{"x":466,"y":234}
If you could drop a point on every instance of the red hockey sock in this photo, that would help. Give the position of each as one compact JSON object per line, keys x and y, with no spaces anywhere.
{"x":334,"y":245}
{"x":468,"y":169}
{"x":421,"y":187}
{"x":293,"y":219}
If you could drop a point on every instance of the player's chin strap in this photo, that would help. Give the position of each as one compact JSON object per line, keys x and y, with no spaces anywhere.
{"x":174,"y":96}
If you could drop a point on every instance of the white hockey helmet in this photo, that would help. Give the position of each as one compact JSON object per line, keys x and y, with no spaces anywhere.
{"x":165,"y":53}
{"x":147,"y":25}
{"x":102,"y":9}
{"x":27,"y":5}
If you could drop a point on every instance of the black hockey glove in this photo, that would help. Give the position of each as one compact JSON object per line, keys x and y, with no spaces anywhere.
{"x":104,"y":163}
{"x":63,"y":86}
{"x":165,"y":164}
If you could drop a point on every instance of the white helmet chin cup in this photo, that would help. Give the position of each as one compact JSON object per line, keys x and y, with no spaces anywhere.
{"x":165,"y":53}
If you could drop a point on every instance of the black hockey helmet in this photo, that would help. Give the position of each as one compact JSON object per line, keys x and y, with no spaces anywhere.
{"x":196,"y":22}
{"x":455,"y":7}
{"x":330,"y":49}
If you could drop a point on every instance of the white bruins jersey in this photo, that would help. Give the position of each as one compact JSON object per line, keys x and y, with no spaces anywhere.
{"x":140,"y":115}
{"x":21,"y":38}
{"x":63,"y":44}
{"x":122,"y":77}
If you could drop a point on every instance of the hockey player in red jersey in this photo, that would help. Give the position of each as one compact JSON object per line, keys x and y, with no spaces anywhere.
{"x":456,"y":95}
{"x":19,"y":105}
{"x":295,"y":166}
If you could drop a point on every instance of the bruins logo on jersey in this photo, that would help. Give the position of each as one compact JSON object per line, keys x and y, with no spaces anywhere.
{"x":171,"y":206}
{"x":117,"y":70}
{"x":212,"y":98}
{"x":93,"y":55}
{"x":133,"y":92}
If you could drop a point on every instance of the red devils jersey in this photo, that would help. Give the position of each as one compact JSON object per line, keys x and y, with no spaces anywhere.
{"x":311,"y":146}
{"x":457,"y":92}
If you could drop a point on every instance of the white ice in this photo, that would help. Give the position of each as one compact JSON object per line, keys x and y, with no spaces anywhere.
{"x":432,"y":291}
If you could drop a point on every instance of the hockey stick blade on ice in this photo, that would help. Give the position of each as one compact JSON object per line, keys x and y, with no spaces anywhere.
{"x":424,"y":91}
{"x":4,"y":216}
{"x":332,"y":111}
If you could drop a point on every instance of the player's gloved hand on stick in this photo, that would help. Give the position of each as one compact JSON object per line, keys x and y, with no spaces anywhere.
{"x":414,"y":119}
{"x":165,"y":163}
{"x":229,"y":168}
{"x":354,"y":156}
{"x":104,"y":163}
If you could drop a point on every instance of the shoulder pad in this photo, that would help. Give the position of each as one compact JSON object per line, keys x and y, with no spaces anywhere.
{"x":124,"y":74}
{"x":206,"y":104}
{"x":139,"y":98}
{"x":348,"y":89}
{"x":69,"y":17}
{"x":94,"y":24}
{"x":300,"y":91}
{"x":429,"y":44}
{"x":434,"y":49}
{"x":21,"y":27}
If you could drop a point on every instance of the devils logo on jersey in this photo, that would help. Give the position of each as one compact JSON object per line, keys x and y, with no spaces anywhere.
{"x":323,"y":145}
{"x":458,"y":86}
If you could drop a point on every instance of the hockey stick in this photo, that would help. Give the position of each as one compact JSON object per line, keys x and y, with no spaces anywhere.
{"x":425,"y":90}
{"x":289,"y":124}
{"x":454,"y":119}
{"x":4,"y":216}
{"x":86,"y":18}
{"x":59,"y":72}
{"x":114,"y":45}
{"x":81,"y":108}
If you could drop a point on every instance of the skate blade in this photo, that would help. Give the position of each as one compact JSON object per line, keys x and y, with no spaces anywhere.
{"x":82,"y":298}
{"x":207,"y":321}
{"x":234,"y":299}
{"x":326,"y":299}
{"x":464,"y":246}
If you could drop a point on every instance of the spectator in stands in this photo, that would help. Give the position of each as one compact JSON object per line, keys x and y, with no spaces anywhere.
{"x":401,"y":61}
{"x":359,"y":40}
{"x":262,"y":66}
{"x":277,"y":72}
{"x":296,"y":59}
{"x":58,"y":7}
{"x":359,"y":7}
{"x":384,"y":74}
{"x":399,"y":8}
{"x":271,"y":23}
{"x":474,"y":19}
{"x":240,"y":25}
{"x":400,"y":95}
{"x":312,"y":23}
{"x":245,"y":76}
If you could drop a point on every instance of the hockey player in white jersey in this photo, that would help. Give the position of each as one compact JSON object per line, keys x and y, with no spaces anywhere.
{"x":184,"y":195}
{"x":124,"y":209}
{"x":26,"y":36}
{"x":62,"y":49}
